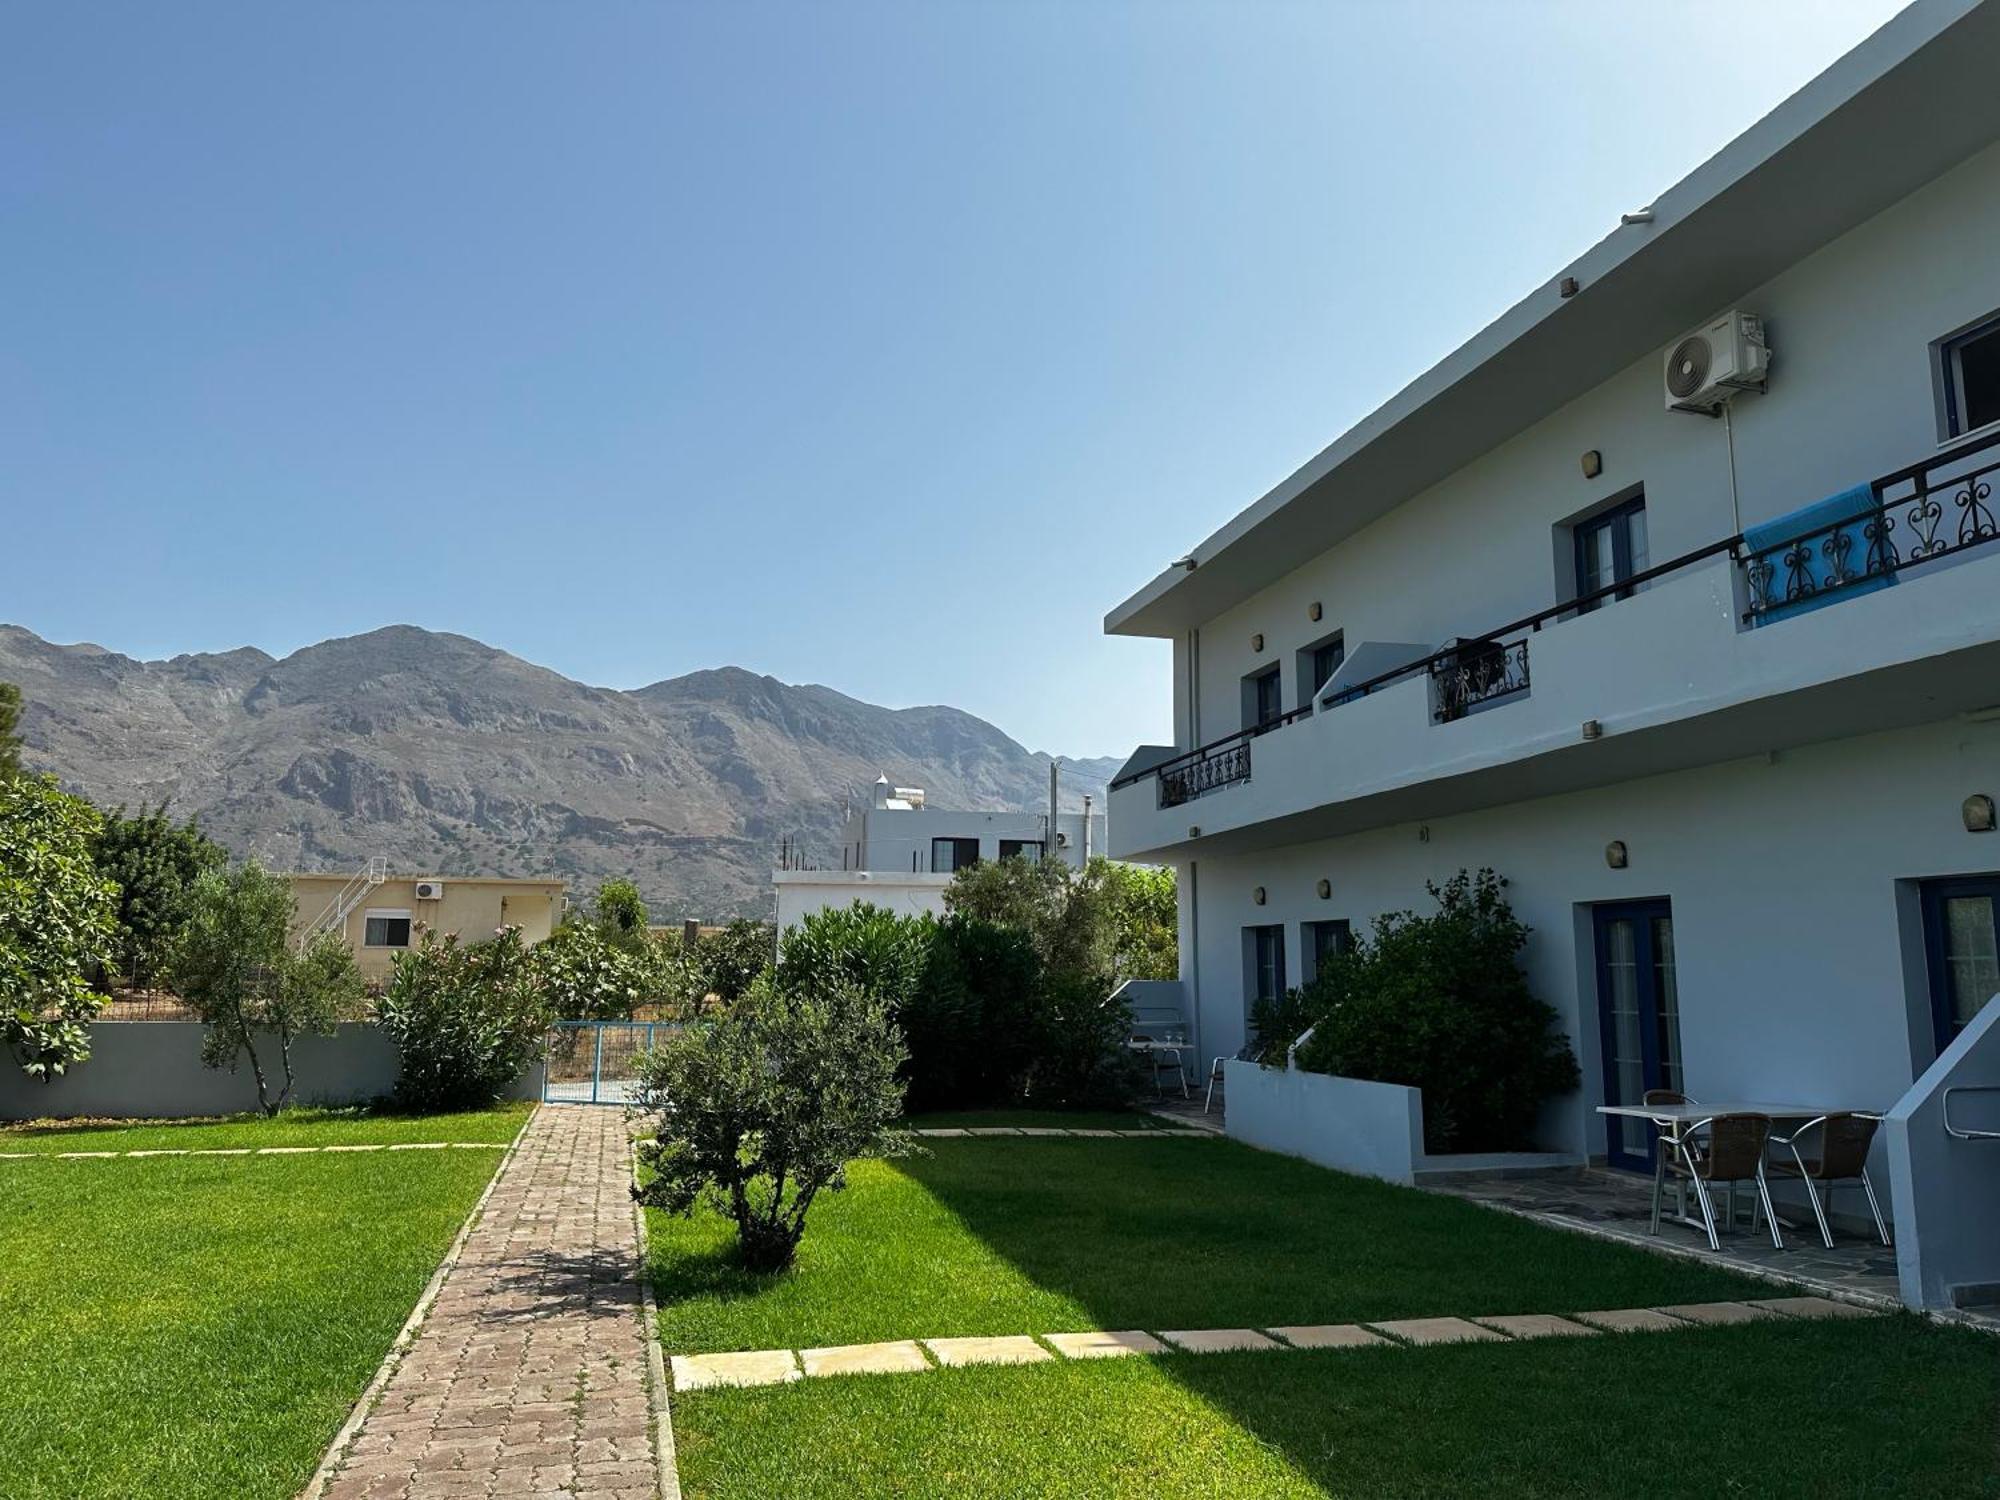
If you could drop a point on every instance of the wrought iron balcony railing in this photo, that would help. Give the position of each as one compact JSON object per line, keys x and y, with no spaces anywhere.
{"x":1930,"y":510}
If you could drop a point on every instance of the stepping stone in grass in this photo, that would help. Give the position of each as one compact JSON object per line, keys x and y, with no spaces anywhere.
{"x":1329,"y":1336}
{"x":1813,"y":1307}
{"x":177,"y":1151}
{"x":1631,"y":1320}
{"x":701,"y":1372}
{"x":1017,"y":1349}
{"x":940,"y":1133}
{"x":222,"y":1151}
{"x":286,"y":1150}
{"x":1041,"y":1130}
{"x":1217,"y":1340}
{"x":357,"y":1148}
{"x":897,"y":1357}
{"x":418,"y":1146}
{"x":1100,"y":1134}
{"x":993,"y":1130}
{"x":1103,"y":1345}
{"x":1538,"y":1326}
{"x":1717,"y":1312}
{"x":86,"y":1155}
{"x":1426,"y":1331}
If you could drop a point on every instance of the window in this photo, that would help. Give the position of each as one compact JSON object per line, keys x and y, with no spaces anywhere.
{"x":1319,"y":941}
{"x":1962,"y":936}
{"x":1263,"y":699}
{"x":1610,"y":548}
{"x":1316,"y":664}
{"x":1264,"y":949}
{"x":1968,"y":365}
{"x":948,"y":855}
{"x":1028,"y":849}
{"x":385,"y":929}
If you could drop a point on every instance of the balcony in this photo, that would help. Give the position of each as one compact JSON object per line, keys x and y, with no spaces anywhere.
{"x":1740,"y":648}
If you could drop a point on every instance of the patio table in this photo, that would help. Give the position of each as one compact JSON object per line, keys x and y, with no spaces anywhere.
{"x":1155,"y":1048}
{"x":1673,"y":1118}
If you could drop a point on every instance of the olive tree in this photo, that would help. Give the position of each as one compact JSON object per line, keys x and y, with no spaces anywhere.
{"x":57,"y":919}
{"x":762,"y":1109}
{"x":234,"y":966}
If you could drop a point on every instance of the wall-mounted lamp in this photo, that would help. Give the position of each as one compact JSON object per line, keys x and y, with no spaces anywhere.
{"x":1312,"y":611}
{"x":1257,"y":642}
{"x":1593,"y":729}
{"x":1978,"y":813}
{"x":1615,"y":855}
{"x":1194,"y":830}
{"x":1593,"y":464}
{"x":1258,"y":895}
{"x":1423,"y":833}
{"x":1186,"y":564}
{"x":1567,"y":287}
{"x":1325,"y":888}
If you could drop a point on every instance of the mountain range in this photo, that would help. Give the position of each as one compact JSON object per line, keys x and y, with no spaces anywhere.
{"x":448,"y":756}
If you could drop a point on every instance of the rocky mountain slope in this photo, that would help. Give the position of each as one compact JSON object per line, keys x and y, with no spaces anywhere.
{"x":447,"y":755}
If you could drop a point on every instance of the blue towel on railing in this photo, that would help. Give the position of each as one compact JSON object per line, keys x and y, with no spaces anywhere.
{"x":1794,"y":567}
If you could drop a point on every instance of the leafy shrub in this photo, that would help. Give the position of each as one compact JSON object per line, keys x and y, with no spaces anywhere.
{"x":467,"y":1020}
{"x":583,"y":976}
{"x":726,"y":963}
{"x":155,"y":863}
{"x":862,"y":944}
{"x":1439,"y":1002}
{"x":234,"y":966}
{"x":620,"y":915}
{"x":973,"y":1020}
{"x":761,"y":1110}
{"x":56,"y":922}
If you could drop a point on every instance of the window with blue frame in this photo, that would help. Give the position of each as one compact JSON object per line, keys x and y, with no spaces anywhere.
{"x":1962,"y":938}
{"x":1322,"y":940}
{"x":1264,"y":953}
{"x":1611,"y":547}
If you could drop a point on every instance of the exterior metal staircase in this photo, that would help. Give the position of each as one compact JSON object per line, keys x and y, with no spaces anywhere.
{"x":351,"y":895}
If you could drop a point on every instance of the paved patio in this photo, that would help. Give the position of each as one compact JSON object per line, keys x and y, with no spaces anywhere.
{"x":1618,"y":1206}
{"x":528,"y":1376}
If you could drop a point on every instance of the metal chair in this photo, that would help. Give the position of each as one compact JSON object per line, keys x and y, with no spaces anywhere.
{"x":1166,"y":1052}
{"x":1724,"y":1149}
{"x":1246,"y":1053}
{"x":1843,"y":1140}
{"x":1662,"y":1147}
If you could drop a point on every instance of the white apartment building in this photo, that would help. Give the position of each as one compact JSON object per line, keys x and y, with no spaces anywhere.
{"x":1674,"y":597}
{"x":899,"y":852}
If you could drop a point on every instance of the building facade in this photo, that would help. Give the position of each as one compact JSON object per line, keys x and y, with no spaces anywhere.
{"x":898,"y":831}
{"x":381,"y":914}
{"x":1697,"y":644}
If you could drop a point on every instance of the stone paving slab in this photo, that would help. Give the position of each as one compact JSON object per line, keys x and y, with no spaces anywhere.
{"x":1716,"y":1313}
{"x":1537,"y":1326}
{"x":1426,"y":1331}
{"x":1328,"y":1336}
{"x":1811,"y":1307}
{"x":1631,"y":1320}
{"x":1017,"y":1349}
{"x":896,"y":1357}
{"x":992,"y":1130}
{"x":1217,"y":1340}
{"x":1101,"y":1344}
{"x":528,"y":1376}
{"x":701,"y":1372}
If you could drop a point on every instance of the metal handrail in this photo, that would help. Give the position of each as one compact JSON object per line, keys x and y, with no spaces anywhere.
{"x":1189,"y":757}
{"x":1955,"y":1132}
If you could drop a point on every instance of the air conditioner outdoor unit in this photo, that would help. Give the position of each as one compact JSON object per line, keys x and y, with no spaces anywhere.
{"x":430,"y":890}
{"x":1706,"y":368}
{"x":1062,"y":841}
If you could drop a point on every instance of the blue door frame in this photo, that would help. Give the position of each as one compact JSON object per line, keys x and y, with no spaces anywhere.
{"x":1935,"y":894}
{"x":1641,"y":917}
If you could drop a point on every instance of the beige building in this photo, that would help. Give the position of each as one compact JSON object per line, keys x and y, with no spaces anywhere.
{"x":381,"y":913}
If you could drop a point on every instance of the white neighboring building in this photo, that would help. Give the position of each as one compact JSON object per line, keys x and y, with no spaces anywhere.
{"x":898,"y":852}
{"x":1721,"y":698}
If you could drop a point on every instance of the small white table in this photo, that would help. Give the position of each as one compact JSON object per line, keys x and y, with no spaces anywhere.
{"x":1177,"y":1050}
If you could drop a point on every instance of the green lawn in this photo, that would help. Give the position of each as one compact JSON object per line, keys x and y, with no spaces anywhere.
{"x":295,"y":1127}
{"x":1889,"y":1408}
{"x":987,"y":1236}
{"x":196,"y":1328}
{"x":1002,"y":1236}
{"x":1055,"y":1119}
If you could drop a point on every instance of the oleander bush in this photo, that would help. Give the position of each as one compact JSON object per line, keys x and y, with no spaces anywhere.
{"x":468,"y":1019}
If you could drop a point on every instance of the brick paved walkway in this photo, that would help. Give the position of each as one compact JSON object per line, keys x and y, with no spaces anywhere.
{"x":528,"y":1376}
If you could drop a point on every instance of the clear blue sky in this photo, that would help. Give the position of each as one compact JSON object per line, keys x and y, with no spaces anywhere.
{"x":881,"y":345}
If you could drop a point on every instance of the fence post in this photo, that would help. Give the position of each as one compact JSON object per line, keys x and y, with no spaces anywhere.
{"x":596,"y":1060}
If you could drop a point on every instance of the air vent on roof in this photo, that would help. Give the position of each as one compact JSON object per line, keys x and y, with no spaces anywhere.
{"x":1708,"y":367}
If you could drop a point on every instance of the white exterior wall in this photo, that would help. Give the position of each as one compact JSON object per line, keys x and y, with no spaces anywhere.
{"x":890,"y":838}
{"x":1796,"y":937}
{"x":1851,"y":397}
{"x":803,"y":892}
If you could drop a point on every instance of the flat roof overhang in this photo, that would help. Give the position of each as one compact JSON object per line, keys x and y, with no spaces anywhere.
{"x":1909,"y":103}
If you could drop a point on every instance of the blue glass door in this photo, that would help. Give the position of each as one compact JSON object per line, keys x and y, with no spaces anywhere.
{"x":1638,"y":1004}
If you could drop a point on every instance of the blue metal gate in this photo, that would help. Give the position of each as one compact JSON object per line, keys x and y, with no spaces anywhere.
{"x":596,"y":1062}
